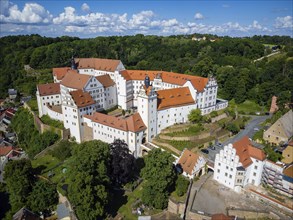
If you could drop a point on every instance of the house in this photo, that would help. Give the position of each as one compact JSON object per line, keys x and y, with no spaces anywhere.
{"x":239,"y":164}
{"x":7,"y":153}
{"x":12,"y":93}
{"x":191,"y":163}
{"x":281,"y":131}
{"x":25,"y":214}
{"x":288,"y":153}
{"x":279,"y":176}
{"x":108,"y":128}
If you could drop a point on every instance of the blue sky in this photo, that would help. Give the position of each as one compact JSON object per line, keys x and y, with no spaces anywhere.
{"x":160,"y":17}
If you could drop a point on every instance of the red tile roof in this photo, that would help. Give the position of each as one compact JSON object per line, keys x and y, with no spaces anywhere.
{"x":105,"y":80}
{"x":96,"y":63}
{"x":199,"y":83}
{"x":245,"y":150}
{"x":5,"y":150}
{"x":82,"y":99}
{"x":49,"y":89}
{"x":75,"y":80}
{"x":188,"y":160}
{"x":174,"y":97}
{"x":133,"y":123}
{"x":221,"y":217}
{"x":60,"y":72}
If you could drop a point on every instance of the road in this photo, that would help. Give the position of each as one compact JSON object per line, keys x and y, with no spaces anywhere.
{"x":250,"y":129}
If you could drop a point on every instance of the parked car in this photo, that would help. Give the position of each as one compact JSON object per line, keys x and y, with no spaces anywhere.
{"x":205,"y":151}
{"x":212,"y":147}
{"x":219,"y":144}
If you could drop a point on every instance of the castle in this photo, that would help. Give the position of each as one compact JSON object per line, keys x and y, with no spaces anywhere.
{"x":157,"y":99}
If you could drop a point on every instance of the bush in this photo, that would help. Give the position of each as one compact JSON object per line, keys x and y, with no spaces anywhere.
{"x":49,"y":121}
{"x":181,"y":185}
{"x":63,"y":150}
{"x":232,"y":127}
{"x":214,"y":114}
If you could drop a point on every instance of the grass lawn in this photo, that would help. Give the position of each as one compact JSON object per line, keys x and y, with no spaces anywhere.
{"x":126,"y":209}
{"x":49,"y":163}
{"x":250,"y":107}
{"x":49,"y":121}
{"x":190,"y":131}
{"x":180,"y":145}
{"x":177,"y":198}
{"x":33,"y":104}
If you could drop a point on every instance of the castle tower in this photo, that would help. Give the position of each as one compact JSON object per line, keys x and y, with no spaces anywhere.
{"x":147,"y":108}
{"x":73,"y":64}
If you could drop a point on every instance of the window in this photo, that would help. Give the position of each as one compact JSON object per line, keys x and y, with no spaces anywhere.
{"x":218,"y":170}
{"x":230,"y":176}
{"x":255,"y":167}
{"x":254,"y":174}
{"x":226,"y":174}
{"x":219,"y":164}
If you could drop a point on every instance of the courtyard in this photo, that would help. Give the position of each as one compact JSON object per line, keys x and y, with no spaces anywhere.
{"x":209,"y":197}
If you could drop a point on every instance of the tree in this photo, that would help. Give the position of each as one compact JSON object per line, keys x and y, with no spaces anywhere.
{"x":195,"y":116}
{"x":122,"y":162}
{"x":43,"y":197}
{"x":234,"y":128}
{"x":88,"y":179}
{"x":63,"y":150}
{"x":159,"y":175}
{"x":19,"y":181}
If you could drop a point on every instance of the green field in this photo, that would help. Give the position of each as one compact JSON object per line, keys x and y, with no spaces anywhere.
{"x":250,"y":107}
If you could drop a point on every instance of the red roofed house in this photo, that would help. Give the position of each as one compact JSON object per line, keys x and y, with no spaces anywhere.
{"x":47,"y":94}
{"x":191,"y":163}
{"x":108,"y":128}
{"x":239,"y":164}
{"x":6,"y":153}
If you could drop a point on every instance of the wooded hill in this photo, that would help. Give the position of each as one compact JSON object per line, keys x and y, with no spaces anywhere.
{"x":230,"y":60}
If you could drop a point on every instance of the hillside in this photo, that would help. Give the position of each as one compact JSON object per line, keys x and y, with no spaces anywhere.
{"x":230,"y":60}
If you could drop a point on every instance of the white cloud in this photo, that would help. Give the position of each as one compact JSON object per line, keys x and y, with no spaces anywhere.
{"x":32,"y":13}
{"x":225,"y":6}
{"x":85,"y":7}
{"x":33,"y":16}
{"x":284,"y":22}
{"x":198,"y":16}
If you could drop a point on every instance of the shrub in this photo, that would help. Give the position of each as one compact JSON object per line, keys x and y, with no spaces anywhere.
{"x":232,"y":127}
{"x":181,"y":185}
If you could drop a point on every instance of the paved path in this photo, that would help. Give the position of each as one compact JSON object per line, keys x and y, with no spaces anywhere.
{"x":250,"y":129}
{"x":272,"y":54}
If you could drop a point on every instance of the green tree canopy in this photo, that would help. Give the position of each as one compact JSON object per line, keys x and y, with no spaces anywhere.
{"x":88,"y":180}
{"x":19,"y":182}
{"x":159,"y":175}
{"x":43,"y":197}
{"x":195,"y":116}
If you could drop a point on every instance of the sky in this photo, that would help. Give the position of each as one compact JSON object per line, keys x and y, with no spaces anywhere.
{"x":87,"y":19}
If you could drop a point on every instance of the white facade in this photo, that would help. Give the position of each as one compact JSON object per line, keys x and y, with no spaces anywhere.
{"x":45,"y":100}
{"x":125,"y":92}
{"x":229,"y":171}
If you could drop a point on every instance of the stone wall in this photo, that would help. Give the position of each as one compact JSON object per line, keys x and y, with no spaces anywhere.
{"x":219,"y":117}
{"x":64,"y":133}
{"x":176,"y":207}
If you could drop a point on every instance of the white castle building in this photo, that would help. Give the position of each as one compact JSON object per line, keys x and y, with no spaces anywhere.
{"x":239,"y":164}
{"x":91,"y":85}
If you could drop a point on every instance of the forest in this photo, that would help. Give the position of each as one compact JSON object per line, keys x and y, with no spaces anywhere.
{"x":230,"y":60}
